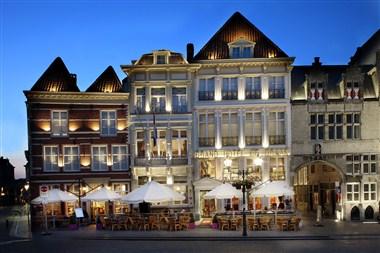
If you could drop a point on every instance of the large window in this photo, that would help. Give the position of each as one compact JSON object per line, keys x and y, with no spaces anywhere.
{"x":241,"y":52}
{"x":51,"y":158}
{"x":353,"y":125}
{"x":206,"y":130}
{"x":335,"y":125}
{"x":71,"y":158}
{"x":158,"y":100}
{"x":99,"y":158}
{"x":140,"y":144}
{"x":253,"y":88}
{"x":158,"y":147}
{"x":316,"y":90}
{"x":119,"y":157}
{"x":317,"y":122}
{"x":369,"y":162}
{"x":369,"y":191}
{"x":276,"y":128}
{"x":179,"y":143}
{"x":352,"y":191}
{"x":206,"y":89}
{"x":352,"y":89}
{"x":179,"y":100}
{"x":59,"y":123}
{"x":252,"y":128}
{"x":253,"y":171}
{"x":277,"y":169}
{"x":108,"y":123}
{"x":276,"y":87}
{"x":357,"y":164}
{"x":231,"y":173}
{"x":353,"y":165}
{"x":140,"y":100}
{"x":229,"y":90}
{"x":229,"y":129}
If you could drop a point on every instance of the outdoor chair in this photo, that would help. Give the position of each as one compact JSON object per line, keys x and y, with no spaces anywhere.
{"x":223,"y":223}
{"x":253,"y":224}
{"x":282,"y":224}
{"x":173,"y":224}
{"x":153,"y":222}
{"x":184,"y":222}
{"x":234,"y":224}
{"x":294,"y":224}
{"x":265,"y":223}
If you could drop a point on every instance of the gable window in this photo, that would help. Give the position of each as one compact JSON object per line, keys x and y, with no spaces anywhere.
{"x":206,"y":89}
{"x":161,"y":59}
{"x":99,"y":158}
{"x":335,"y":125}
{"x":253,"y":128}
{"x":353,"y":125}
{"x":140,"y":100}
{"x":241,"y":49}
{"x":51,"y":158}
{"x":229,"y":129}
{"x":253,"y":88}
{"x":317,"y":122}
{"x":119,"y":157}
{"x":158,"y":100}
{"x":229,"y":90}
{"x":59,"y":123}
{"x":352,"y":90}
{"x":276,"y":128}
{"x":71,"y":158}
{"x":276,"y":87}
{"x":316,"y":90}
{"x":352,"y":191}
{"x":206,"y":130}
{"x":247,"y":52}
{"x":179,"y":143}
{"x":108,"y":123}
{"x":179,"y":100}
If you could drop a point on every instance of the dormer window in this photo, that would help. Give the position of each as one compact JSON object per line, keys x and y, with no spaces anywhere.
{"x":161,"y":57}
{"x":316,"y":90}
{"x":241,"y":49}
{"x":352,"y":90}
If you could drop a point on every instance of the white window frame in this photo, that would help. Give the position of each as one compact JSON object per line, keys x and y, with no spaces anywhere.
{"x":142,"y":98}
{"x":369,"y":191}
{"x":335,"y":125}
{"x":277,"y":164}
{"x":161,"y":108}
{"x":229,"y":85}
{"x":353,"y":125}
{"x":240,"y":45}
{"x":355,"y":163}
{"x":253,"y":122}
{"x":70,"y":166}
{"x":252,"y":83}
{"x":317,"y":125}
{"x":45,"y":156}
{"x":229,"y":123}
{"x":140,"y":140}
{"x":93,"y":156}
{"x":158,"y":140}
{"x":209,"y":87}
{"x":275,"y":81}
{"x":118,"y":157}
{"x":180,"y":98}
{"x":277,"y":121}
{"x":181,"y":137}
{"x":62,"y":128}
{"x":206,"y":123}
{"x":353,"y":192}
{"x":109,"y":123}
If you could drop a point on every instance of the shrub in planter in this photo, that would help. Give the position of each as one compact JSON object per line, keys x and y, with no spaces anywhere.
{"x":214,"y":224}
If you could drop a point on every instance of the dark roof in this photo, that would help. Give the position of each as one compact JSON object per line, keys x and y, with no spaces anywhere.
{"x":174,"y":58}
{"x":366,"y":54}
{"x":106,"y":82}
{"x":56,"y":78}
{"x":238,"y":27}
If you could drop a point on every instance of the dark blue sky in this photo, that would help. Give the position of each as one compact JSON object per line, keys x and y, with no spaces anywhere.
{"x":90,"y":35}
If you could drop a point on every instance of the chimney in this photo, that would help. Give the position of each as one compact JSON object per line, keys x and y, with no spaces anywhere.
{"x":316,"y":62}
{"x":190,"y":52}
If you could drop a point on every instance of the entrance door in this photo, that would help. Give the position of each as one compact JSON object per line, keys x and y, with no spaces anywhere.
{"x":355,"y":213}
{"x":369,"y":213}
{"x":207,"y":206}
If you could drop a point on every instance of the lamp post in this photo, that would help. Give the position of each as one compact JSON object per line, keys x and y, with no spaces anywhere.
{"x":26,"y":187}
{"x":244,"y":204}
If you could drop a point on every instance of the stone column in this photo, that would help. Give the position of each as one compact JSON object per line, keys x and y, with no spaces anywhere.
{"x":218,"y":136}
{"x":168,"y":98}
{"x":264,"y":118}
{"x":147,"y":99}
{"x":264,"y":87}
{"x":241,"y":128}
{"x":218,"y":88}
{"x":241,"y":88}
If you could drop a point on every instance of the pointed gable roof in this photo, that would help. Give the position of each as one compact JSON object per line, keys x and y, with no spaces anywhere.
{"x":106,"y":82}
{"x":238,"y":27}
{"x":56,"y":78}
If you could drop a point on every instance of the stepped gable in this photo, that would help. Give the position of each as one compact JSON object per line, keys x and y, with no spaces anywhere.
{"x":56,"y":78}
{"x":108,"y":81}
{"x":238,"y":27}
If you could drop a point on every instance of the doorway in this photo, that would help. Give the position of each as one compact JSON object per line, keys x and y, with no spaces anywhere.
{"x":207,"y":206}
{"x":369,"y":213}
{"x":355,"y":213}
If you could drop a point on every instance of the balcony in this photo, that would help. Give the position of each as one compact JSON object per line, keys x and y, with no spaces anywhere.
{"x":154,"y":161}
{"x":276,"y":93}
{"x":179,"y":160}
{"x":253,"y":94}
{"x":205,"y":95}
{"x":229,"y":95}
{"x":179,"y":108}
{"x":229,"y":141}
{"x":207,"y":142}
{"x":253,"y":140}
{"x":276,"y":139}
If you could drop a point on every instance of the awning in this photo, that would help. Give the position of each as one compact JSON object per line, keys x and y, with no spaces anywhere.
{"x":223,"y":191}
{"x":275,"y":188}
{"x":54,"y":196}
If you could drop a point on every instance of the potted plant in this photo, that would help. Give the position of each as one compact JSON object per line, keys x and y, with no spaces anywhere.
{"x":73,"y":223}
{"x":192,"y":221}
{"x":214,"y":224}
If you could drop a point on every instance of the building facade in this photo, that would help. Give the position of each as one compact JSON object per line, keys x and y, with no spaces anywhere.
{"x":77,"y":140}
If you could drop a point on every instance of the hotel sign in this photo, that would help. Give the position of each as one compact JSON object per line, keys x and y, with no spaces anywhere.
{"x":240,"y":153}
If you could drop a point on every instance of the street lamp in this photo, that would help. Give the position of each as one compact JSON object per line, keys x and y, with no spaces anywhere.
{"x":26,"y":187}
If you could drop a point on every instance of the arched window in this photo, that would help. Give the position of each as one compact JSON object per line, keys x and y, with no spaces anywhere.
{"x":355,"y":213}
{"x":369,"y":213}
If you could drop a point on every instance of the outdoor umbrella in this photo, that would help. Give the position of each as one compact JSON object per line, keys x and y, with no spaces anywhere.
{"x":103,"y":194}
{"x":152,"y":192}
{"x":275,"y":188}
{"x":53,"y":196}
{"x":223,"y":191}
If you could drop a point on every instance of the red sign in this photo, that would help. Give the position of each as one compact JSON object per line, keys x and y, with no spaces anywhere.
{"x":44,"y":189}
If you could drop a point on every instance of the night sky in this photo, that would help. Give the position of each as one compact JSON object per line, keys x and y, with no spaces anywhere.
{"x":90,"y":35}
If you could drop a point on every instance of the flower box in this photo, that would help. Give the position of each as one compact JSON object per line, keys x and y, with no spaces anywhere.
{"x":191,"y":225}
{"x":214,"y":225}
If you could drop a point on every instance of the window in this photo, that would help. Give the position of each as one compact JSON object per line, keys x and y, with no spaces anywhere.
{"x":335,"y":125}
{"x":236,"y":52}
{"x":59,"y":123}
{"x":352,"y":191}
{"x":252,"y":128}
{"x":369,"y":191}
{"x":253,"y":171}
{"x":247,"y":52}
{"x":353,"y":164}
{"x":276,"y":169}
{"x":158,"y":149}
{"x":317,"y":122}
{"x":229,"y":90}
{"x":179,"y":143}
{"x":140,"y":100}
{"x":51,"y":158}
{"x":276,"y":128}
{"x":206,"y":130}
{"x":231,"y":173}
{"x":241,"y":51}
{"x":108,"y":123}
{"x":353,"y":125}
{"x":71,"y":158}
{"x":316,"y":90}
{"x":276,"y":87}
{"x":99,"y":158}
{"x":158,"y":100}
{"x":253,"y":88}
{"x":229,"y":129}
{"x":369,"y":163}
{"x":140,"y":144}
{"x":206,"y":89}
{"x":119,"y":157}
{"x":161,"y":59}
{"x":352,"y":90}
{"x":179,"y":100}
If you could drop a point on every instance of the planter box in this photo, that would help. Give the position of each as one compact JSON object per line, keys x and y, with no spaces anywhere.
{"x":73,"y":226}
{"x":214,"y":225}
{"x":191,"y":225}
